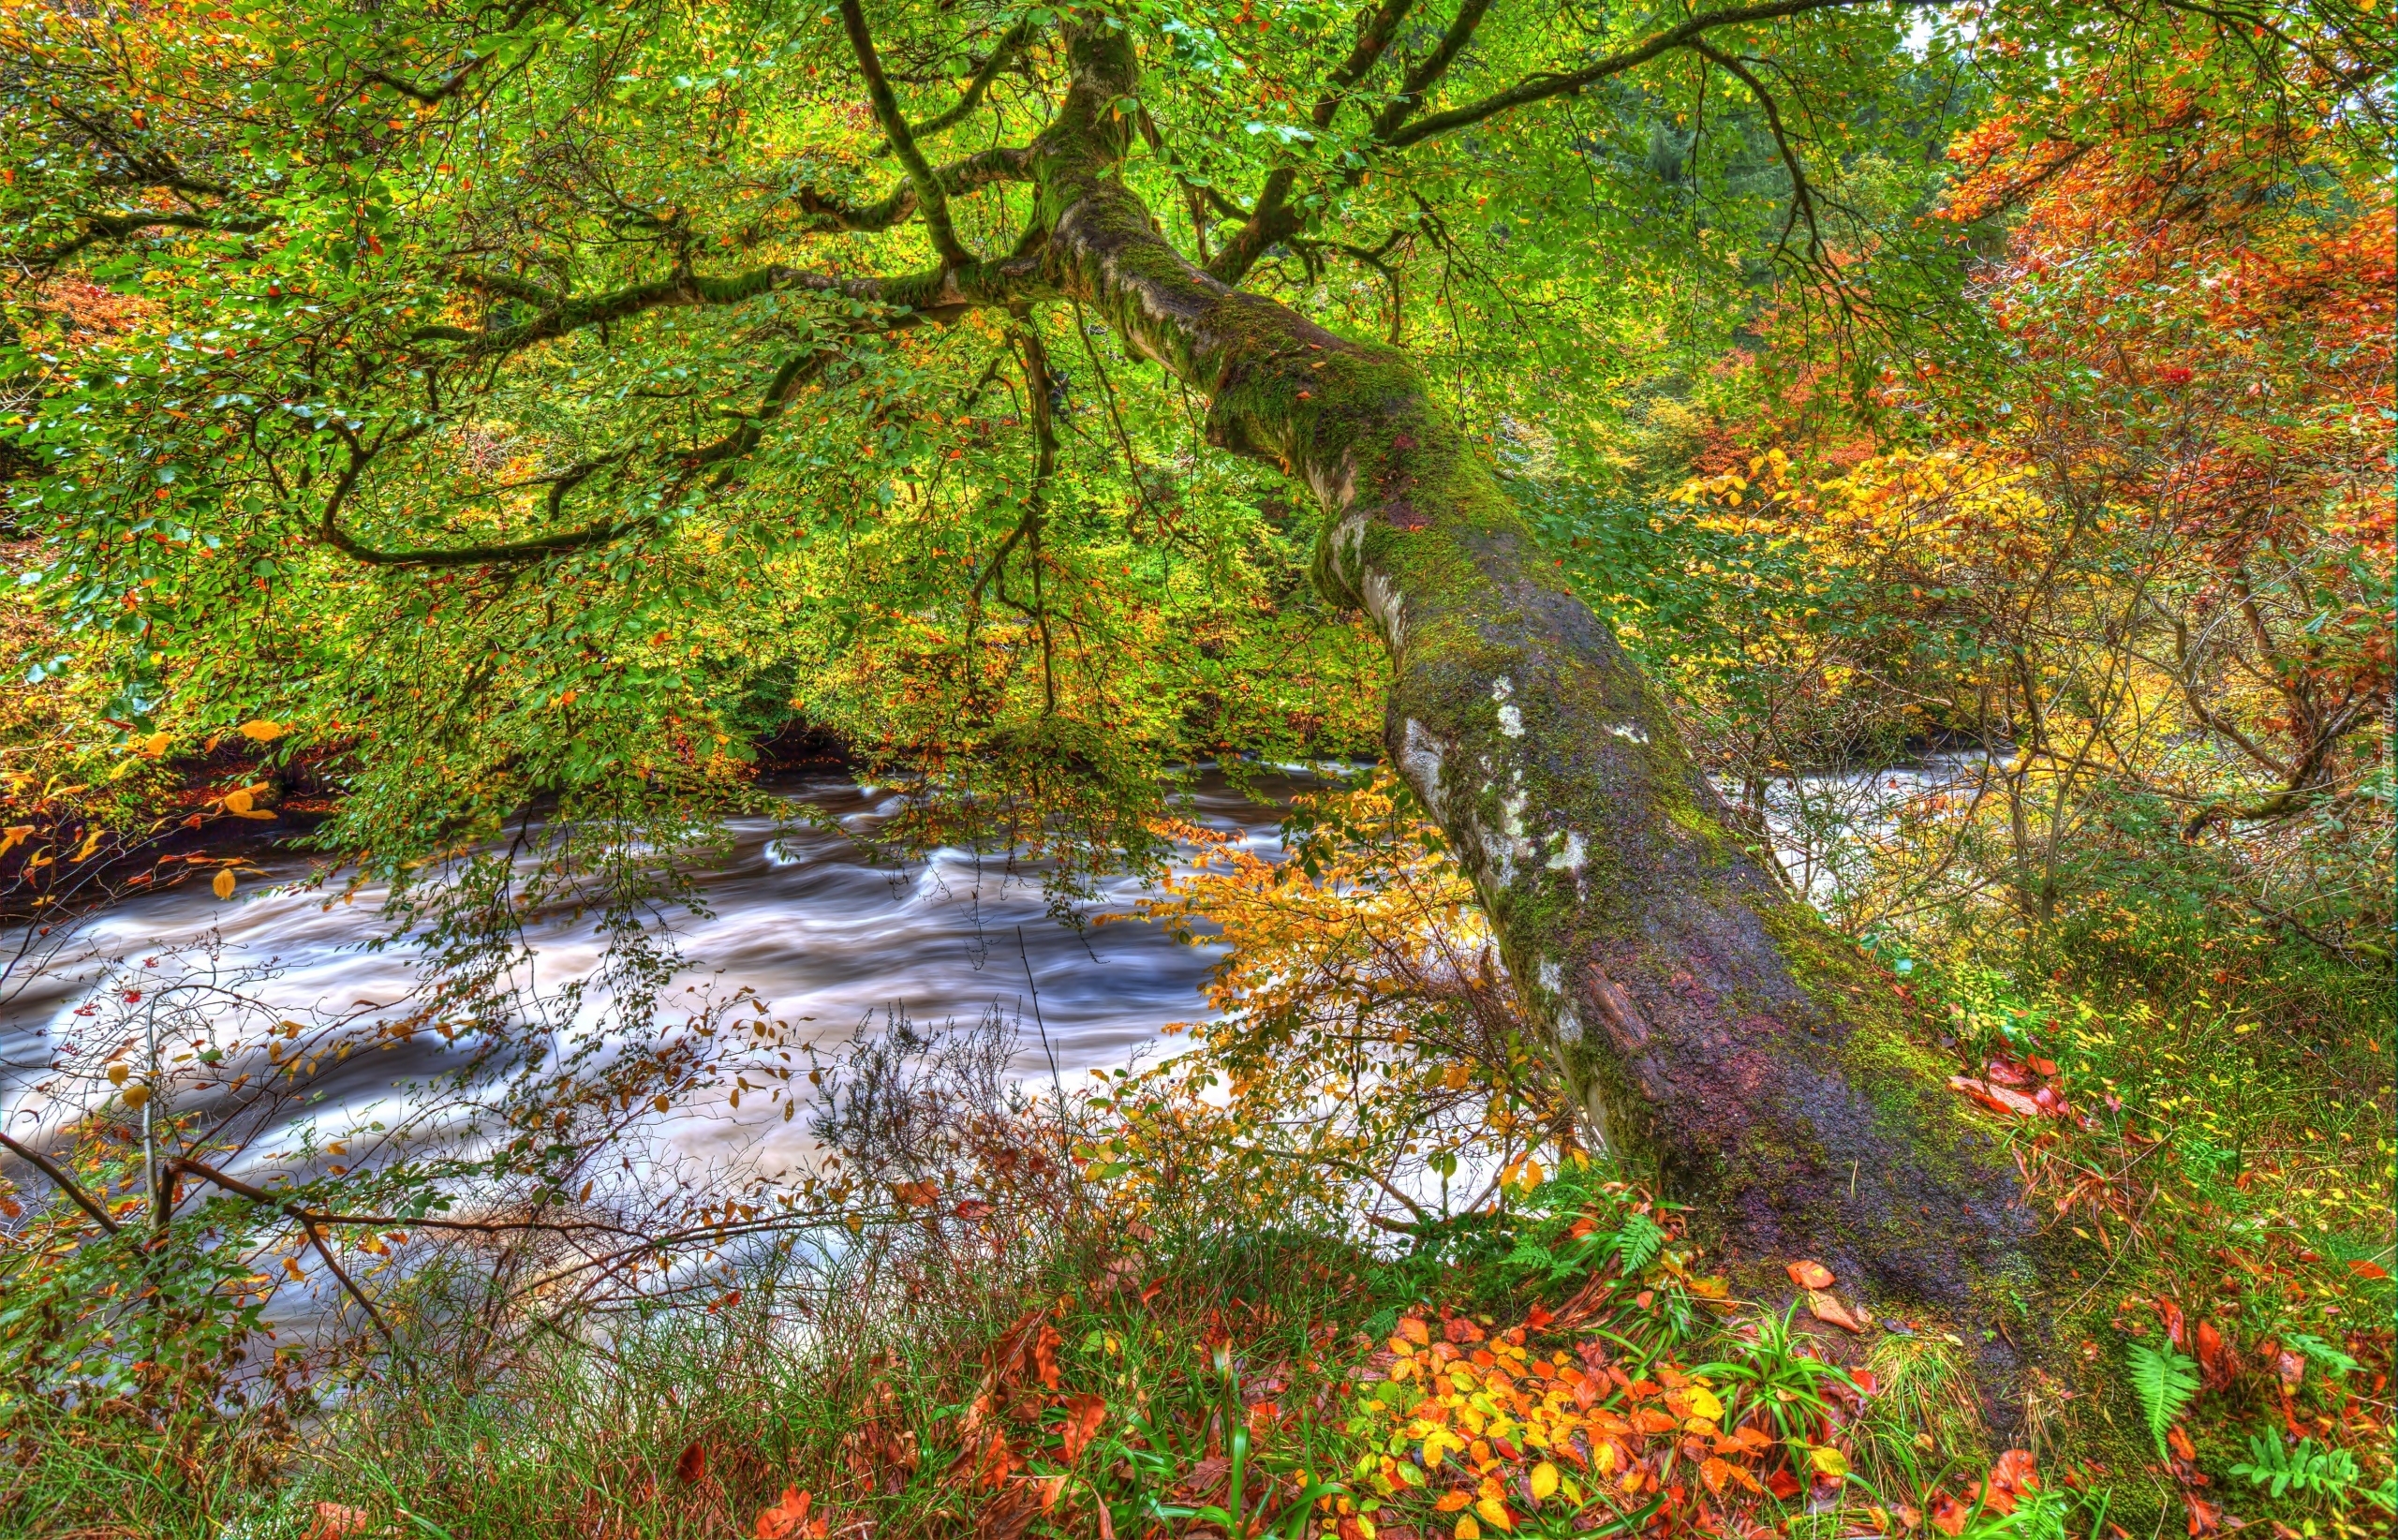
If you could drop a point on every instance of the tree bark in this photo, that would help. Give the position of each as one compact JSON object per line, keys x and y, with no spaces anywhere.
{"x":1705,"y":1019}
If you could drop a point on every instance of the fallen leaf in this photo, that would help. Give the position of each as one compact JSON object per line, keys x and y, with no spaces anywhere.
{"x":1949,"y":1516}
{"x":2372,"y":1272}
{"x":1084,"y":1413}
{"x":1544,"y":1481}
{"x":1996,"y":1097}
{"x":1829,"y":1461}
{"x":2214,"y":1357}
{"x":1811,"y":1274}
{"x":787,"y":1519}
{"x":222,"y":885}
{"x":1412,"y":1328}
{"x":1716,"y":1472}
{"x":337,"y":1521}
{"x":2041,"y":1066}
{"x":1831,"y":1311}
{"x":2205,"y":1517}
{"x":262,"y":731}
{"x":1782,"y":1484}
{"x":2183,"y":1450}
{"x":693,"y":1464}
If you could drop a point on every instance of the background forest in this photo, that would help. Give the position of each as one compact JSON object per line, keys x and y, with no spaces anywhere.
{"x":489,"y":445}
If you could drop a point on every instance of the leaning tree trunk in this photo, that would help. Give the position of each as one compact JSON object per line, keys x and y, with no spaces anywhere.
{"x":1705,"y":1019}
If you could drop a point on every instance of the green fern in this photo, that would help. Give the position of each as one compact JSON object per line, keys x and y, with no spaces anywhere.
{"x":1637,"y":1242}
{"x":2321,"y":1350}
{"x":2309,"y":1469}
{"x":2164,"y":1382}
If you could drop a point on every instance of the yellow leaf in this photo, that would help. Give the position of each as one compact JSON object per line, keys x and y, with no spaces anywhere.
{"x":1828,"y":1460}
{"x":263,"y":730}
{"x":119,"y":1073}
{"x":1544,"y":1481}
{"x":1466,"y":1529}
{"x":223,"y":885}
{"x":1704,"y":1404}
{"x":13,"y":836}
{"x":1496,"y":1512}
{"x":156,"y":744}
{"x":135,"y":1094}
{"x":293,"y":1268}
{"x":238,"y":802}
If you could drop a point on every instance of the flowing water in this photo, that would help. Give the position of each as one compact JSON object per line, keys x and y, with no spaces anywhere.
{"x":802,"y":915}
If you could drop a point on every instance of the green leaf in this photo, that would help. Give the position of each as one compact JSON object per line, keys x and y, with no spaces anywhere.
{"x":2165,"y":1383}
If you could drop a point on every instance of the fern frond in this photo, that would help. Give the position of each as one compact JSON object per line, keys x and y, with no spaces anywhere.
{"x":2164,"y":1382}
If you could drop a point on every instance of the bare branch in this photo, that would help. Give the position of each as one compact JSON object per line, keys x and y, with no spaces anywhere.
{"x":59,"y":1179}
{"x":1543,"y":87}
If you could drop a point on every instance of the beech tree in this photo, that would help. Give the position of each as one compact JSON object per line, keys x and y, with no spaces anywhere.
{"x":535,"y":404}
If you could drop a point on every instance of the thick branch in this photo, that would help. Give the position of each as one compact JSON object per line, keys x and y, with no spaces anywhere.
{"x":903,"y":143}
{"x":957,"y":178}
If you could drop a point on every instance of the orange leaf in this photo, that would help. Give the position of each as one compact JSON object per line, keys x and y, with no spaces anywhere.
{"x":1831,"y":1311}
{"x":1996,"y":1097}
{"x":788,"y":1519}
{"x":1084,"y":1415}
{"x":2372,"y":1272}
{"x":2214,"y":1356}
{"x":1452,"y":1502}
{"x":1715,"y":1472}
{"x":1811,"y":1274}
{"x":337,"y":1521}
{"x":1412,"y":1327}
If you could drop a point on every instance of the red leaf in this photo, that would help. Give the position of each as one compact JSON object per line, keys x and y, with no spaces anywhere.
{"x":1537,"y":1318}
{"x":2205,"y":1517}
{"x":1782,"y":1484}
{"x":1949,"y":1516}
{"x":2174,"y":1325}
{"x":973,"y":1208}
{"x":2214,"y":1357}
{"x":2178,"y":1442}
{"x":2367,"y":1270}
{"x":693,"y":1464}
{"x":1084,"y":1413}
{"x":2041,"y":1066}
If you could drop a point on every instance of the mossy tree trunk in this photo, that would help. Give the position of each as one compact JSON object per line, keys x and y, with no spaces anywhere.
{"x":1708,"y":1022}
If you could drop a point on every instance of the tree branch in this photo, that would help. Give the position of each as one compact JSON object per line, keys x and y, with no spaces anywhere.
{"x":903,"y":143}
{"x":1271,"y":218}
{"x":1003,"y":55}
{"x":1542,"y":87}
{"x":59,"y":1177}
{"x":1802,"y":201}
